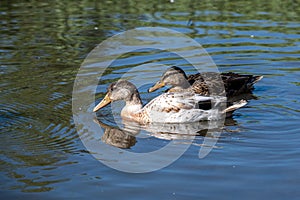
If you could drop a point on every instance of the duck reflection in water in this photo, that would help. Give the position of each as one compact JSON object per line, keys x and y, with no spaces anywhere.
{"x":117,"y":137}
{"x":125,"y":136}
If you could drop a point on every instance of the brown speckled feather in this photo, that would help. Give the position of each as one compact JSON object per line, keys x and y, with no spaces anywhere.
{"x":234,"y":84}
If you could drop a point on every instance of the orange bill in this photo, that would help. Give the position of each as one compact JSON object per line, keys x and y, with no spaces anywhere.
{"x":156,"y":86}
{"x":103,"y":103}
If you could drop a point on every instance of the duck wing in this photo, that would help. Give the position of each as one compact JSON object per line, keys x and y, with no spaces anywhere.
{"x":207,"y":83}
{"x":236,"y":84}
{"x":212,"y":83}
{"x":178,"y":108}
{"x":173,"y":102}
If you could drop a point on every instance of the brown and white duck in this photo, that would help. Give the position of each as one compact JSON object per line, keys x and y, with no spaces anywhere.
{"x":171,"y":107}
{"x":207,"y":83}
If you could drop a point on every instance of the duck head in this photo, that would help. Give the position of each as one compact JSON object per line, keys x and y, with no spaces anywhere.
{"x":120,"y":90}
{"x":174,"y":77}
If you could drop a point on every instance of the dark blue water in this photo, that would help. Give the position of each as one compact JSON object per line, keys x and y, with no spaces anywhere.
{"x":42,"y":47}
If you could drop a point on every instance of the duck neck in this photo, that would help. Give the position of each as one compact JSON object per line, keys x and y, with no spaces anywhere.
{"x":184,"y":84}
{"x":133,"y":105}
{"x":135,"y":99}
{"x":181,"y":85}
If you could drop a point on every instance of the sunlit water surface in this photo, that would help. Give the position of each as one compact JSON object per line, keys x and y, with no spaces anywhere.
{"x":42,"y":47}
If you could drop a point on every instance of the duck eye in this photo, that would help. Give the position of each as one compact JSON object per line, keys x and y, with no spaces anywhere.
{"x":114,"y":87}
{"x":110,"y":89}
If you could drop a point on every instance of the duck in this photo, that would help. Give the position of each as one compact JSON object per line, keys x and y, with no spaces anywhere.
{"x":179,"y":107}
{"x":228,"y":84}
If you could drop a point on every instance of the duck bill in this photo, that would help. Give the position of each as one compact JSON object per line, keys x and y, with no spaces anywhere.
{"x":103,"y":103}
{"x":156,"y":86}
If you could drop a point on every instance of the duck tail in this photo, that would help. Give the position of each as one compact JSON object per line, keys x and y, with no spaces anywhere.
{"x":235,"y":106}
{"x":254,"y":80}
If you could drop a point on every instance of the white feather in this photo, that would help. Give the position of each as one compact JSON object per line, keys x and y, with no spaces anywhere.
{"x":181,"y":107}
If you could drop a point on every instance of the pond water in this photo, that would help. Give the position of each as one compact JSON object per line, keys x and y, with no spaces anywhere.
{"x":41,"y":50}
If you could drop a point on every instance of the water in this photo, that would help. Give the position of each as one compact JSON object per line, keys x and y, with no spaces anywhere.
{"x":42,"y":47}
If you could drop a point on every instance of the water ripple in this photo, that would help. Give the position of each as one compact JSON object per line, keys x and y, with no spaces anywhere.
{"x":46,"y":42}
